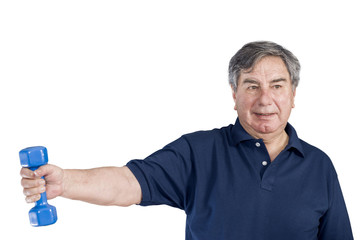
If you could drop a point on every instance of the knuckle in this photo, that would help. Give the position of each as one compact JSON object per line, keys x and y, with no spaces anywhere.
{"x":27,"y":183}
{"x":33,"y":191}
{"x":31,"y":199}
{"x":22,"y":182}
{"x":41,"y":189}
{"x":23,"y":172}
{"x":36,"y":197}
{"x":26,"y":192}
{"x":26,"y":173}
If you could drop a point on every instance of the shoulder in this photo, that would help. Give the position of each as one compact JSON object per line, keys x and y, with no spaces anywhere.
{"x":317,"y":158}
{"x":202,"y":139}
{"x":208,"y":136}
{"x":313,"y":151}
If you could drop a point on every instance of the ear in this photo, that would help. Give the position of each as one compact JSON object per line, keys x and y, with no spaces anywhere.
{"x":233,"y":94}
{"x":294,"y":93}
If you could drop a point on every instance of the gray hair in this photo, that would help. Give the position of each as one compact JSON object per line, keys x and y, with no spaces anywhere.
{"x":246,"y":58}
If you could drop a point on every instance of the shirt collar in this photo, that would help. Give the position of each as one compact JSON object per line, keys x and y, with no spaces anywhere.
{"x":239,"y":134}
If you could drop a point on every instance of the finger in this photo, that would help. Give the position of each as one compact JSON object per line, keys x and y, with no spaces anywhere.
{"x":30,"y":183}
{"x":27,"y":173}
{"x":33,"y":191}
{"x":32,"y":199}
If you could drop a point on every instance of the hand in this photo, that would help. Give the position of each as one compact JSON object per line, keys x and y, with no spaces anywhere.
{"x":34,"y":185}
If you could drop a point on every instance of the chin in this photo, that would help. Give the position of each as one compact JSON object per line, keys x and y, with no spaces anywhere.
{"x":265,"y":128}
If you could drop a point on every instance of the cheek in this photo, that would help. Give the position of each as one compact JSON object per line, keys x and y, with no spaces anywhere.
{"x":285,"y":104}
{"x":243,"y":105}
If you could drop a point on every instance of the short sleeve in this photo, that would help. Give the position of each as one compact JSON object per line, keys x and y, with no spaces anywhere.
{"x":164,"y":175}
{"x":335,"y":224}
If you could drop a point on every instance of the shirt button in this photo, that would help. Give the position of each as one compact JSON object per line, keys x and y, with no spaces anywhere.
{"x":264,"y":163}
{"x":257,"y":144}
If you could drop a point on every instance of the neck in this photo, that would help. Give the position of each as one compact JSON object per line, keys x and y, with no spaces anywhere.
{"x":274,"y":142}
{"x":276,"y":145}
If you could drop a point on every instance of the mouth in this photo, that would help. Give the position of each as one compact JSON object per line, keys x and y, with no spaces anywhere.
{"x":265,"y":115}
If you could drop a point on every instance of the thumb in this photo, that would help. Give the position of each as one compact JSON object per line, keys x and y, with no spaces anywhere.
{"x":51,"y":173}
{"x":43,"y":170}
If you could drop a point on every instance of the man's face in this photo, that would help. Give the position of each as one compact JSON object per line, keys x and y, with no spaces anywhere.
{"x":264,"y":98}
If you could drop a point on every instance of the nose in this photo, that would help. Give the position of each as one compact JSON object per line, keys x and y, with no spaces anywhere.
{"x":265,"y":97}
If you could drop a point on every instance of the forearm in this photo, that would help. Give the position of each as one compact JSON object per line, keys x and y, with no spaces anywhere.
{"x":102,"y":186}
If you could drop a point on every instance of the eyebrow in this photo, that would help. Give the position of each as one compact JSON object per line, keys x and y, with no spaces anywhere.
{"x":279,"y":80}
{"x":248,"y":80}
{"x":252,"y":81}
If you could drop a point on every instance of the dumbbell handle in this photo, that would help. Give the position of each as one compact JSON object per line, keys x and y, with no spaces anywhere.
{"x":43,"y":196}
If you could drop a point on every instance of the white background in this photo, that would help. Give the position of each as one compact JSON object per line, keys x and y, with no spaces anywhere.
{"x":102,"y":82}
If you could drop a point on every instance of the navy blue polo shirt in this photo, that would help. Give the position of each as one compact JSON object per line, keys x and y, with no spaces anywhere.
{"x":230,"y":190}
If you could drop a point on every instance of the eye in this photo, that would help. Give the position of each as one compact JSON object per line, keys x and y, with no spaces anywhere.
{"x":253,"y":87}
{"x":277,"y":86}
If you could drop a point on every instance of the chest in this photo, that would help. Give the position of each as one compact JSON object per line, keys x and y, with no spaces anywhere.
{"x":238,"y":190}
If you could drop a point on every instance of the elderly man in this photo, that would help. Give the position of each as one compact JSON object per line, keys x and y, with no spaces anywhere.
{"x":252,"y":180}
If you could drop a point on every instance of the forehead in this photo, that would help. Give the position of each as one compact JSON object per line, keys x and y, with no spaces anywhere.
{"x":270,"y":67}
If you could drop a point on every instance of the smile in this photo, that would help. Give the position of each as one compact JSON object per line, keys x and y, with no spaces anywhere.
{"x":264,"y":114}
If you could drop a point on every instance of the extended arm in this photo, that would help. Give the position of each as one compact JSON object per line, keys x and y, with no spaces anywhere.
{"x":103,"y":186}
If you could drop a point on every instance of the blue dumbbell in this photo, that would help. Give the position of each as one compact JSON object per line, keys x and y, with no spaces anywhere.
{"x":42,"y":213}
